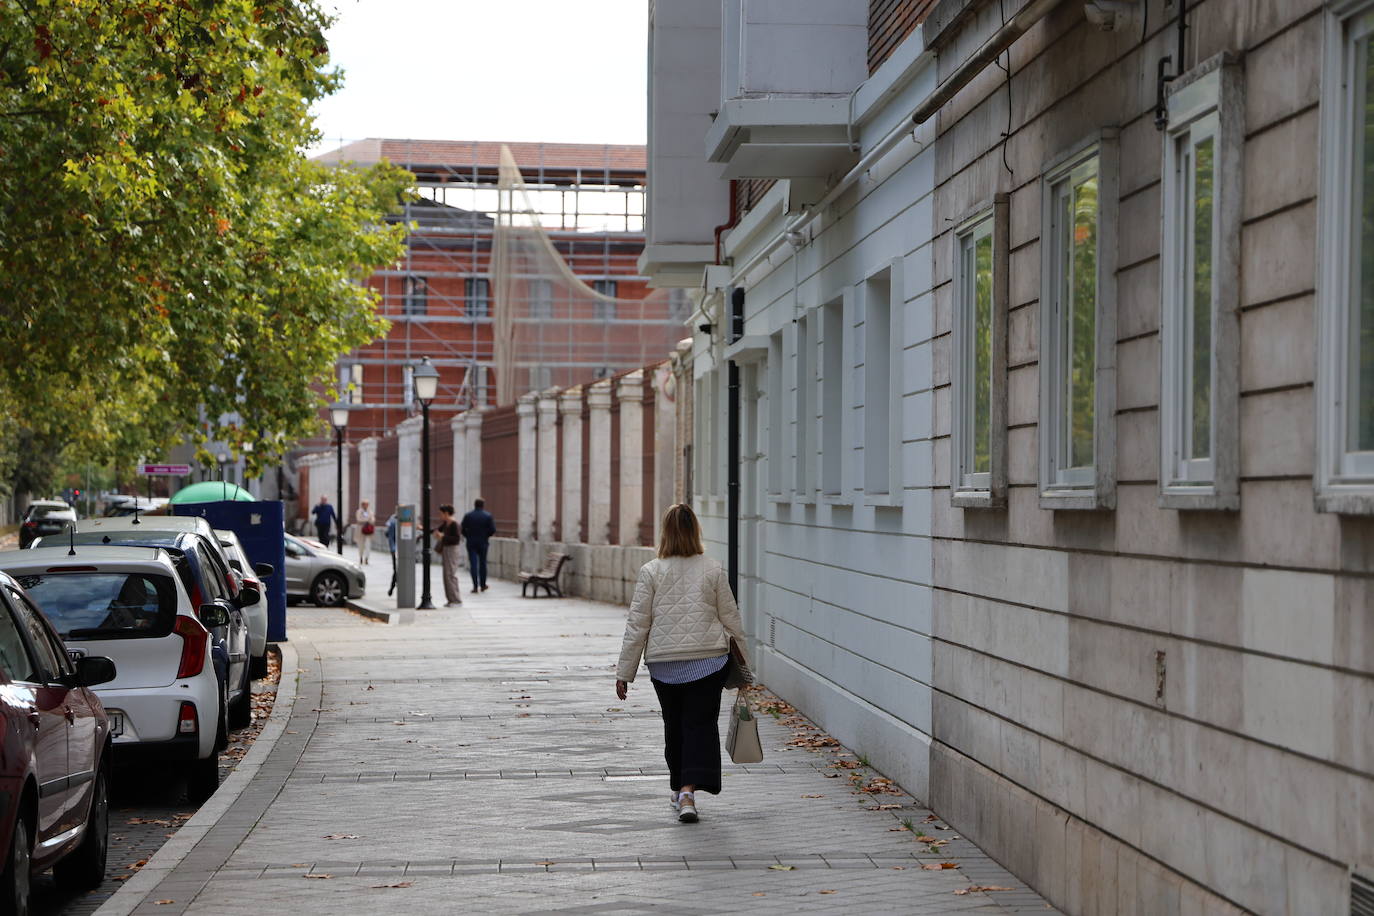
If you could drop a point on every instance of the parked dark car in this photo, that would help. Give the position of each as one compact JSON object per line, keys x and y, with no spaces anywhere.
{"x":45,"y":517}
{"x":208,"y":579}
{"x":54,"y":755}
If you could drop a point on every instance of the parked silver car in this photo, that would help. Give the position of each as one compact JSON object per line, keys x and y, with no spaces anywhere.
{"x":316,"y":573}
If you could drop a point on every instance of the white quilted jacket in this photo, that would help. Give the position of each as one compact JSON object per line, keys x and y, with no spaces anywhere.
{"x":682,"y":609}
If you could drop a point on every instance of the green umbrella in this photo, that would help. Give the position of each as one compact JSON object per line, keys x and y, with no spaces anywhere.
{"x":211,"y":491}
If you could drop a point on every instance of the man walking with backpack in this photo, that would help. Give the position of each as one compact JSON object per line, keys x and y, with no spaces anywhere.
{"x":478,"y":527}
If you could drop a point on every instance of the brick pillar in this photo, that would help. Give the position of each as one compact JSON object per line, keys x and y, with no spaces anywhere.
{"x":631,"y":455}
{"x":547,"y":499}
{"x":473,"y":438}
{"x":529,"y":432}
{"x":599,"y":462}
{"x":571,"y":406}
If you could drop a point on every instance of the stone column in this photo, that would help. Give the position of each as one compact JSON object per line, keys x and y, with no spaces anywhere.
{"x":571,"y":406}
{"x":367,"y":473}
{"x":458,"y":426}
{"x":473,"y":434}
{"x":525,"y":505}
{"x":599,"y":462}
{"x":631,"y":455}
{"x":408,"y":464}
{"x":665,"y":443}
{"x":547,"y":497}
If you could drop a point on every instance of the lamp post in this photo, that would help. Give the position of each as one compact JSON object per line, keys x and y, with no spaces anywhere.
{"x":426,"y":379}
{"x":338,"y":415}
{"x":222,"y":459}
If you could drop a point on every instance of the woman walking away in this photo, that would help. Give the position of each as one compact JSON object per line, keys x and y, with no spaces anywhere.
{"x":681,"y":620}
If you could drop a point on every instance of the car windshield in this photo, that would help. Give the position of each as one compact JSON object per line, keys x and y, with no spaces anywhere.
{"x":53,"y":512}
{"x":150,"y":537}
{"x":105,"y":605}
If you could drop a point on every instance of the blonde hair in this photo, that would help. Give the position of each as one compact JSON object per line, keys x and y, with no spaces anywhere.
{"x":681,"y":533}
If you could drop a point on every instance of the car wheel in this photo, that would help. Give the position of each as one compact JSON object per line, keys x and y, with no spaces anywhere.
{"x":329,"y":590}
{"x":241,"y":710}
{"x":202,"y":779}
{"x":84,"y":869}
{"x":14,"y":883}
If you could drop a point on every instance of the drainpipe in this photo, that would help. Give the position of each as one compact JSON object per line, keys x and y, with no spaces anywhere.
{"x":732,"y":443}
{"x":734,"y":216}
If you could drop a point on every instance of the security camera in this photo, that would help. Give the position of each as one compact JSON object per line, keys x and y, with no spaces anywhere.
{"x":1113,"y":15}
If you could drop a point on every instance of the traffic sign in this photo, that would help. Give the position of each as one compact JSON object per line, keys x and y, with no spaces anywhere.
{"x":164,"y":470}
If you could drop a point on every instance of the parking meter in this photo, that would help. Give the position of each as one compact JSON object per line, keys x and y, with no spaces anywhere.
{"x":405,"y":556}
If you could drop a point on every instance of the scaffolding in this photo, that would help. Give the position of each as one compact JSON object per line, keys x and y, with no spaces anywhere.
{"x":513,"y":279}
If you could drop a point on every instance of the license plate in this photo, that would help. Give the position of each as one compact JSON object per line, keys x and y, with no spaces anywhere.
{"x":116,"y":723}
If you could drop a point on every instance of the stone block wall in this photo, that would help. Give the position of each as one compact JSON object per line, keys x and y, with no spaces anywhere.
{"x":602,"y":572}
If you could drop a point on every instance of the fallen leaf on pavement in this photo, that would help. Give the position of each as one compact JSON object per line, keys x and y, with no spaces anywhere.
{"x":831,"y":775}
{"x":759,"y":894}
{"x":980,"y":887}
{"x":313,"y":875}
{"x":782,"y":867}
{"x":936,"y":866}
{"x":546,"y":863}
{"x":164,"y":902}
{"x":883,"y":808}
{"x":397,"y":884}
{"x":827,"y":891}
{"x":813,"y":796}
{"x":341,"y":836}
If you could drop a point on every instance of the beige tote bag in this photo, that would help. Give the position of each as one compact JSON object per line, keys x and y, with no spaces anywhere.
{"x":742,"y":741}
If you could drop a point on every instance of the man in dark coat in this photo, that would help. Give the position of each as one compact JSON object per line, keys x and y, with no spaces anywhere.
{"x":478,"y":528}
{"x":324,"y":519}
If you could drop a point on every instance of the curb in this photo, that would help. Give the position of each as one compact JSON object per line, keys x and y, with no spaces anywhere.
{"x":390,"y":618}
{"x":138,"y":888}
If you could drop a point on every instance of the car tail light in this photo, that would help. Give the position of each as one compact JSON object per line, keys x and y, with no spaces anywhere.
{"x":30,"y":524}
{"x":194,"y":646}
{"x":187,"y":723}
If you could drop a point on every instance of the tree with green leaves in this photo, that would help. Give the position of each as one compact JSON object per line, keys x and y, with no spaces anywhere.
{"x":168,"y":255}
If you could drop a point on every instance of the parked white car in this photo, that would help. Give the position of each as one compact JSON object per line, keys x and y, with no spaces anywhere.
{"x":129,"y":604}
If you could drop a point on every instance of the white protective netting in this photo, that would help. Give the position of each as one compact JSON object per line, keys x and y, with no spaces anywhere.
{"x":553,"y":329}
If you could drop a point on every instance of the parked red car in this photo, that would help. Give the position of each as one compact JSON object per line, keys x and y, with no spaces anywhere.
{"x":54,"y":755}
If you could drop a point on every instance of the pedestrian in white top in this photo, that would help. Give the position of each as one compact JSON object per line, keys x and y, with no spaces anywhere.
{"x":681,"y":621}
{"x":367,"y":524}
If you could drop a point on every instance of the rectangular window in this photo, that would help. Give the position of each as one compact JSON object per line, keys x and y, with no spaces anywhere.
{"x":804,"y":411}
{"x":1077,"y":323}
{"x":882,"y":398}
{"x":416,"y":296}
{"x":832,"y":398}
{"x":477,"y":295}
{"x":604,"y":309}
{"x":1200,"y":257}
{"x":973,"y":387}
{"x":541,"y":298}
{"x":1345,"y":471}
{"x":775,"y":415}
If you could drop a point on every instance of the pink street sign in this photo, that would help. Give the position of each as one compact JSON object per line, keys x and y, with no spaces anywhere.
{"x":164,"y":470}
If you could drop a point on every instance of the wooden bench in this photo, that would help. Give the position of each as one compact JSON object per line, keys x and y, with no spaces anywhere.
{"x":546,"y":578}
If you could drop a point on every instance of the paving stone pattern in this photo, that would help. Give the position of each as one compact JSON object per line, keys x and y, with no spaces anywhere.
{"x":476,"y":759}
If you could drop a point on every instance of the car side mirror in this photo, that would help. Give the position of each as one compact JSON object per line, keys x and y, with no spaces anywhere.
{"x":213,"y":615}
{"x":92,"y":670}
{"x":248,"y":596}
{"x":264,"y":569}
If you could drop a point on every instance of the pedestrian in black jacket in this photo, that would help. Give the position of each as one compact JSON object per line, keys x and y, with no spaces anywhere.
{"x":478,"y":528}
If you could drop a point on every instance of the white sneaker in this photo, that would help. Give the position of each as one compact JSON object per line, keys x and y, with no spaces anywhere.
{"x":687,"y":808}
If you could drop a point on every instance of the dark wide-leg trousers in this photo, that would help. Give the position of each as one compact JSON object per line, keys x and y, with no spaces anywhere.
{"x":691,"y":731}
{"x":477,"y":565}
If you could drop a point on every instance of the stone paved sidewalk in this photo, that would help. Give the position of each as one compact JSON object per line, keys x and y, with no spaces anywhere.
{"x":476,"y":759}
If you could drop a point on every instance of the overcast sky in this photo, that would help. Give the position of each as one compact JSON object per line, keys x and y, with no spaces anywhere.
{"x":528,"y":70}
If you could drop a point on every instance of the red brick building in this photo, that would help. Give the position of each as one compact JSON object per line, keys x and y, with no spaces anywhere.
{"x":442,"y":298}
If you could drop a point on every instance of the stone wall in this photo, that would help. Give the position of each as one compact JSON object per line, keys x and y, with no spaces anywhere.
{"x":602,"y":572}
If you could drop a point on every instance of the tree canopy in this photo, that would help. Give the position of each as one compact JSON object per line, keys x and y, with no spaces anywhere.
{"x":168,"y":255}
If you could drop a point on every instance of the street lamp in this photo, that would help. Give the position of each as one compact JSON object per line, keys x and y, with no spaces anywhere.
{"x":338,"y":415}
{"x":222,"y":458}
{"x":426,"y":380}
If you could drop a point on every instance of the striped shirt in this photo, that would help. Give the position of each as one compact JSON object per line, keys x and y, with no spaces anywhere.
{"x":686,"y":671}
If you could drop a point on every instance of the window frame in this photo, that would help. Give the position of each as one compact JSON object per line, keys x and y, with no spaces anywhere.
{"x":776,"y":469}
{"x":803,"y":410}
{"x":1344,"y":479}
{"x":836,"y":399}
{"x":414,"y":294}
{"x":1206,"y":102}
{"x":987,"y":489}
{"x":892,"y":339}
{"x":1094,"y":487}
{"x":471,"y":299}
